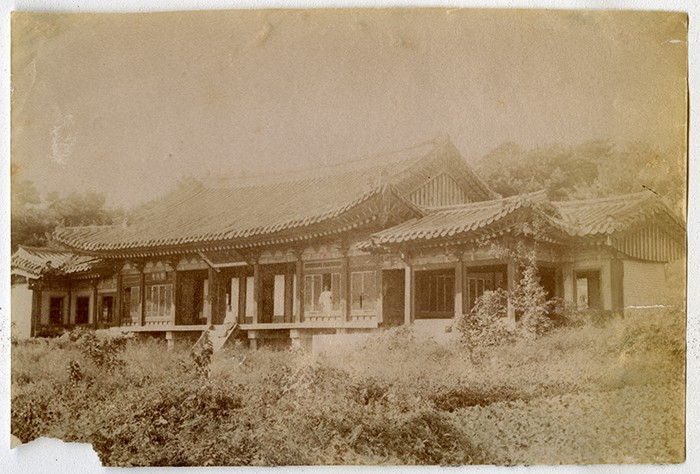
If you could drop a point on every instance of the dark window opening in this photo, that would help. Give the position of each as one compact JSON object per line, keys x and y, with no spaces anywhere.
{"x":56,"y":311}
{"x":435,"y":294}
{"x":82,"y":310}
{"x":482,"y":279}
{"x":107,"y":309}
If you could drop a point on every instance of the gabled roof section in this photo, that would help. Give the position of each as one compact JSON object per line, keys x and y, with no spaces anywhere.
{"x":226,"y":210}
{"x":570,"y":219}
{"x":615,"y":214}
{"x":455,"y":220}
{"x":34,"y":262}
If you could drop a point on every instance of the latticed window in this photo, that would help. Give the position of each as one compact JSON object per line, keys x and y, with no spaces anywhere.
{"x":315,"y":284}
{"x":363,"y":290}
{"x":159,"y":300}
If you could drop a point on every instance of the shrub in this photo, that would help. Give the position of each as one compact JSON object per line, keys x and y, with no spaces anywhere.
{"x":201,"y":355}
{"x":50,"y":331}
{"x":486,"y":325}
{"x":530,"y":300}
{"x":102,"y":351}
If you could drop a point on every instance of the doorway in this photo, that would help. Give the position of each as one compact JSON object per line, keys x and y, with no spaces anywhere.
{"x":435,"y":290}
{"x":393,"y":283}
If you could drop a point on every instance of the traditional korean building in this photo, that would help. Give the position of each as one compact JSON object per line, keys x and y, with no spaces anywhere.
{"x":360,"y":246}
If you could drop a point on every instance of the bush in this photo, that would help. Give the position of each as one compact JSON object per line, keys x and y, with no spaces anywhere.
{"x":486,"y":325}
{"x":102,"y":351}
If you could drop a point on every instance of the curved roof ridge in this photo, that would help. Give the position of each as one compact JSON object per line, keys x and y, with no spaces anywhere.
{"x":613,"y":198}
{"x":492,"y":202}
{"x":365,"y":163}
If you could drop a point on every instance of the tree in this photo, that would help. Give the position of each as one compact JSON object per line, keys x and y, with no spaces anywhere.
{"x":34,"y":219}
{"x":591,"y":169}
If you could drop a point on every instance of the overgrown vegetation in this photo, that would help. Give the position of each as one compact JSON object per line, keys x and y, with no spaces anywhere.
{"x":587,"y":394}
{"x":587,"y":170}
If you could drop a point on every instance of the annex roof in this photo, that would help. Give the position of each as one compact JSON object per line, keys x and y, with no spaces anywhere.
{"x":249,"y":209}
{"x":33,"y":262}
{"x":580,"y":218}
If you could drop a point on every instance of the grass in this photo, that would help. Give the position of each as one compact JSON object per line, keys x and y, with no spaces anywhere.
{"x":585,"y":395}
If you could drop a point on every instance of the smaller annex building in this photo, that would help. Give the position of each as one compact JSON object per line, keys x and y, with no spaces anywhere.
{"x":355,"y":247}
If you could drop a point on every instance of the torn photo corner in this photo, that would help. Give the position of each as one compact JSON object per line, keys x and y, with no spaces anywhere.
{"x":402,"y":236}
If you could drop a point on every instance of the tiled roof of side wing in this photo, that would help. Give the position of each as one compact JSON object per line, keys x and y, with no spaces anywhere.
{"x":446,"y":222}
{"x":254,"y":206}
{"x":34,"y":260}
{"x":582,"y":218}
{"x":612,"y":214}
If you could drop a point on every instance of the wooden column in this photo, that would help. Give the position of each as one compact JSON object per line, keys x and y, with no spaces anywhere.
{"x":68,"y":309}
{"x":288,"y":296}
{"x":257,"y":292}
{"x":142,"y":294}
{"x":617,"y":297}
{"x":346,"y":286}
{"x":242,"y":286}
{"x":408,"y":293}
{"x":380,"y":292}
{"x":512,"y":280}
{"x":119,"y":299}
{"x":459,"y":288}
{"x":568,"y":281}
{"x":299,"y":310}
{"x":176,"y":295}
{"x":212,"y":297}
{"x":95,"y":306}
{"x":36,"y":309}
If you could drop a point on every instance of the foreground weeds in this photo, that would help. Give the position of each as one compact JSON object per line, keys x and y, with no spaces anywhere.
{"x":584,"y":395}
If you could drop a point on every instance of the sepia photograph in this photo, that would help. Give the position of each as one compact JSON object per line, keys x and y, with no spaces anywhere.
{"x":350,"y":236}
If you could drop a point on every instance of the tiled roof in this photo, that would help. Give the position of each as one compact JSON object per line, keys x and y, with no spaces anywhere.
{"x":453,"y":220}
{"x":613,"y":214}
{"x":584,"y":218}
{"x":33,"y":261}
{"x":248,"y":210}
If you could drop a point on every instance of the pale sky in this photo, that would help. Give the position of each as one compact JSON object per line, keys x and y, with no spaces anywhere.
{"x":127,"y":103}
